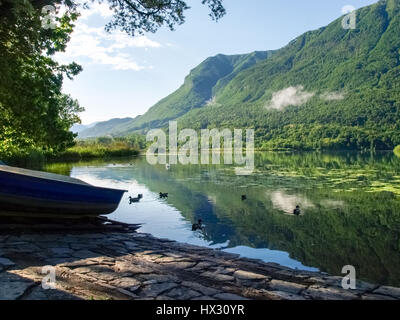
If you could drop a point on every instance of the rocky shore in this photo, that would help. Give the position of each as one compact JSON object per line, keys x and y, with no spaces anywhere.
{"x":140,"y":267}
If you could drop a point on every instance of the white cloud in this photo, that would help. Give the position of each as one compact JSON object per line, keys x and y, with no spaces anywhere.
{"x":98,"y":8}
{"x":332,"y":96}
{"x":291,"y":96}
{"x":212,"y":102}
{"x":288,"y":202}
{"x":122,"y":40}
{"x":100,"y":47}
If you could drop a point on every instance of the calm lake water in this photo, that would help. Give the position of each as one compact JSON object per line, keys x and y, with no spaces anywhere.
{"x":350,"y":208}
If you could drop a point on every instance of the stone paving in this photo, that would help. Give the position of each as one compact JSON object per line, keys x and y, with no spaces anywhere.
{"x":140,"y":267}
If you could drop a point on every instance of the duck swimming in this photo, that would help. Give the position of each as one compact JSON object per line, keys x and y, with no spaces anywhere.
{"x":197,"y":226}
{"x":134,"y":200}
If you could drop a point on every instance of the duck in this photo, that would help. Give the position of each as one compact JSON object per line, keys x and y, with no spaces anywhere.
{"x":297,"y":211}
{"x":244,"y":197}
{"x":137,"y":199}
{"x":197,"y":226}
{"x":163,"y":195}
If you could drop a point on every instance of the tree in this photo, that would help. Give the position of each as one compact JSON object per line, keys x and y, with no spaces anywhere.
{"x":34,"y":113}
{"x":132,"y":16}
{"x":140,"y":16}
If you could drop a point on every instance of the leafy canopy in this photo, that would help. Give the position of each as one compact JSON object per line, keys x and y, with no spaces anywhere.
{"x":34,"y":113}
{"x":140,"y":16}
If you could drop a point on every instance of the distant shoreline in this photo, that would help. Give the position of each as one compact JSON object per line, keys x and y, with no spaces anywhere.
{"x":35,"y":160}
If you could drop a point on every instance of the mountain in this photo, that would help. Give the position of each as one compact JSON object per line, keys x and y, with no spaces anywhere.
{"x":104,"y":128}
{"x":331,"y":88}
{"x":198,"y":89}
{"x":76,"y":128}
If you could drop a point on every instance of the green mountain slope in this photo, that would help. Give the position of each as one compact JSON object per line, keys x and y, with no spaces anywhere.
{"x":199,"y":87}
{"x":344,"y":86}
{"x":330,"y":88}
{"x":104,"y":128}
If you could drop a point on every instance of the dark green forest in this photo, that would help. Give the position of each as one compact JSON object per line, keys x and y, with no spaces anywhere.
{"x":35,"y":116}
{"x":359,"y":68}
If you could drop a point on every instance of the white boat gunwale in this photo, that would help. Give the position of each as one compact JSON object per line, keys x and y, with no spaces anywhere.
{"x":41,"y":175}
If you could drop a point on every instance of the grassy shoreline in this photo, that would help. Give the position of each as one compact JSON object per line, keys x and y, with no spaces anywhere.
{"x":78,"y":153}
{"x":83,"y":150}
{"x":92,"y":150}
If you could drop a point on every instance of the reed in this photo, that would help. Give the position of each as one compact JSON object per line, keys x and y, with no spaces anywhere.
{"x":95,"y":150}
{"x":83,"y":150}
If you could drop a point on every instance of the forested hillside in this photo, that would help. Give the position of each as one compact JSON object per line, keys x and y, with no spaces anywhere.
{"x":332,"y":88}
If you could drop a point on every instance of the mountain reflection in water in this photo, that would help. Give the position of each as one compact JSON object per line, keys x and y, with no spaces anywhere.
{"x":349,"y":202}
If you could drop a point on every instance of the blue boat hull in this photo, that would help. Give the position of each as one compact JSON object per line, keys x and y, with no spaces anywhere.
{"x":32,"y":193}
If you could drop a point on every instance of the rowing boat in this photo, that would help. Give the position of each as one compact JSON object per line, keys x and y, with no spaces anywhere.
{"x":35,"y":193}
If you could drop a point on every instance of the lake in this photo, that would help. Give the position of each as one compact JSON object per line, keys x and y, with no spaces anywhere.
{"x":350,"y":205}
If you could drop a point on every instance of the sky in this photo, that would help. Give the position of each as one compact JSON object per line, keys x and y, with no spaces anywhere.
{"x":124,"y":76}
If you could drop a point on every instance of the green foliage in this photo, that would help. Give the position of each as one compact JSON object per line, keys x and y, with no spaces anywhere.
{"x":138,"y":17}
{"x":397,"y":151}
{"x":34,"y":113}
{"x":103,"y":147}
{"x":96,"y":148}
{"x":26,"y":158}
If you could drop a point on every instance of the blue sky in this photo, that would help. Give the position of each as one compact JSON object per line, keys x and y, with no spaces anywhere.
{"x":125,"y":76}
